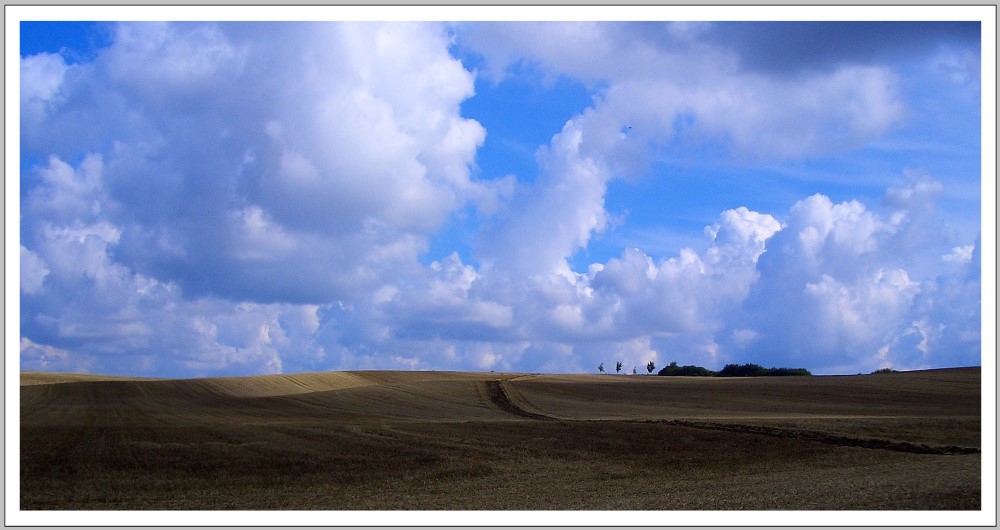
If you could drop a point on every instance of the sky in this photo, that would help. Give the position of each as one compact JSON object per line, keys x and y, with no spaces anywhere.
{"x":231,"y":198}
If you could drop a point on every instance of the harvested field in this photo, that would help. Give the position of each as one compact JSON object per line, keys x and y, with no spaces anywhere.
{"x":485,"y":441}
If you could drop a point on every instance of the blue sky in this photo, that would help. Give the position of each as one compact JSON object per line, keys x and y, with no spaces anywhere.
{"x":241,"y":198}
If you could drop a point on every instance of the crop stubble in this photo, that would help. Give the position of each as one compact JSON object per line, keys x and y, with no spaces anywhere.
{"x":459,"y":440}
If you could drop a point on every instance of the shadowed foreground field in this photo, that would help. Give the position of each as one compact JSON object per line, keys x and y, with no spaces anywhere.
{"x":471,"y":441}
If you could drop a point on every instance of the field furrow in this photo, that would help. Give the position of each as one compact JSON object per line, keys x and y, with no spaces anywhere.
{"x":832,"y":439}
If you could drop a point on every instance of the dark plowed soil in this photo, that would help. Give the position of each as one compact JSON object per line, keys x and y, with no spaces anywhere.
{"x":476,"y":441}
{"x":499,"y":397}
{"x":827,"y":438}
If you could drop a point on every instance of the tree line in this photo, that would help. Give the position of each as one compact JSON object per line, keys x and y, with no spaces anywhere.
{"x":730,"y":370}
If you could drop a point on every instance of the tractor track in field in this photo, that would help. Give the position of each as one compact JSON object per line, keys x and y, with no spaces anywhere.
{"x":826,"y":438}
{"x":499,"y":396}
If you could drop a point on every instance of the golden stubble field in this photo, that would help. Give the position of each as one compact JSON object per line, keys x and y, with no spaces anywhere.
{"x":491,"y":441}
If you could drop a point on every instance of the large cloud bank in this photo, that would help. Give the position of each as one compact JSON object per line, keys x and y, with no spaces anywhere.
{"x":257,"y":198}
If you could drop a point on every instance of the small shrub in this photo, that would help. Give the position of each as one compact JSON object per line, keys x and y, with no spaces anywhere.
{"x":885,"y":370}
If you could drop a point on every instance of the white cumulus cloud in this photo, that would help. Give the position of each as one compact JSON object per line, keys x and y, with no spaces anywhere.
{"x":257,"y":198}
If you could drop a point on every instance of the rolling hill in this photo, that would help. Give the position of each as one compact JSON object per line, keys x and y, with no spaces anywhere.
{"x":467,"y":440}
